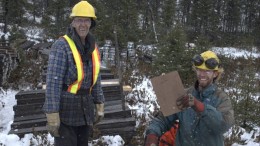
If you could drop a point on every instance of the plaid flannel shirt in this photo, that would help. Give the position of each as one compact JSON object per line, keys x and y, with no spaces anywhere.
{"x":74,"y":109}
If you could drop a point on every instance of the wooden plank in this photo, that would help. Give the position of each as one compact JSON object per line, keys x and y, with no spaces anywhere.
{"x":28,"y":107}
{"x":117,"y":114}
{"x":110,"y":82}
{"x":109,"y":106}
{"x":39,"y":91}
{"x":116,"y":123}
{"x":110,"y":111}
{"x":28,"y":124}
{"x":125,"y":132}
{"x":107,"y":89}
{"x":111,"y":92}
{"x":112,"y":97}
{"x":30,"y":101}
{"x":112,"y":103}
{"x":40,"y":98}
{"x":25,"y":112}
{"x":111,"y":88}
{"x":29,"y":117}
{"x":30,"y":94}
{"x":102,"y":73}
{"x":105,"y":70}
{"x":112,"y":114}
{"x":19,"y":113}
{"x":116,"y":107}
{"x":119,"y":120}
{"x":105,"y":75}
{"x":21,"y":132}
{"x":104,"y":124}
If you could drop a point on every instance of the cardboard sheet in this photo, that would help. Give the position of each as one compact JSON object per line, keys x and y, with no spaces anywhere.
{"x":168,"y":88}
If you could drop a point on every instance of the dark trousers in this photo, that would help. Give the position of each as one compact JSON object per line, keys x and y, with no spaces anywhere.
{"x":72,"y":136}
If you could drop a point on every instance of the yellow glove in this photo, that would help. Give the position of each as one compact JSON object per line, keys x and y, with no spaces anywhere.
{"x":99,"y":113}
{"x":53,"y":123}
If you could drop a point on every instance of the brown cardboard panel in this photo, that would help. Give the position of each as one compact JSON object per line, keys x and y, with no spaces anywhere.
{"x":168,"y":88}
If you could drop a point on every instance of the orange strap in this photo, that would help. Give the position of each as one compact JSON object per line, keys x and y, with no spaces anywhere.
{"x":96,"y":66}
{"x":168,"y":138}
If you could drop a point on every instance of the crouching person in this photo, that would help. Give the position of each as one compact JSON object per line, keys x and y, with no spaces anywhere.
{"x":206,"y":111}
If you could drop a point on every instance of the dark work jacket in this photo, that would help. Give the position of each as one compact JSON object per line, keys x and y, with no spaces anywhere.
{"x":74,"y":110}
{"x":199,"y":129}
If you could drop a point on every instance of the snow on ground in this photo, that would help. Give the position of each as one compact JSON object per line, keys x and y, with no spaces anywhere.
{"x":234,"y":52}
{"x":7,"y":101}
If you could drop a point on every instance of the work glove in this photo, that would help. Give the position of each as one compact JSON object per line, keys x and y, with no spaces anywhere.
{"x":53,"y":123}
{"x":99,"y":113}
{"x":188,"y":100}
{"x":151,"y":140}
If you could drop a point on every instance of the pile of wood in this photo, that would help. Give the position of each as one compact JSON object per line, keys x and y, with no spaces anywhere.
{"x":29,"y":117}
{"x":8,"y":58}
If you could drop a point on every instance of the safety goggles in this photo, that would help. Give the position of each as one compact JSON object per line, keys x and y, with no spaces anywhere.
{"x":210,"y":63}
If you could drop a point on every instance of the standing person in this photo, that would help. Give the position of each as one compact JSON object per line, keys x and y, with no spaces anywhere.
{"x":73,"y":81}
{"x":206,"y":110}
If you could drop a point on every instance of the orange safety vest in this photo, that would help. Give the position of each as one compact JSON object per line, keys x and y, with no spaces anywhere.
{"x":168,"y":138}
{"x":73,"y":88}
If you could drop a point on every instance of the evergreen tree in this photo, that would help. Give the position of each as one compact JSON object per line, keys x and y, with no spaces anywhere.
{"x":172,"y":55}
{"x":15,"y":11}
{"x":167,"y":17}
{"x":148,"y":14}
{"x":204,"y":19}
{"x":123,"y":15}
{"x":184,"y":11}
{"x":245,"y":89}
{"x":250,"y":10}
{"x":56,"y":18}
{"x":231,"y":16}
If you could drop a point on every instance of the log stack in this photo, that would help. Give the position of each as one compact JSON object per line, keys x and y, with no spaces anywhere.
{"x":29,"y":117}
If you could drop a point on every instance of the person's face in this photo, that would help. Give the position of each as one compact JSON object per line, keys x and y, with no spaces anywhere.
{"x":205,"y":77}
{"x":82,"y":25}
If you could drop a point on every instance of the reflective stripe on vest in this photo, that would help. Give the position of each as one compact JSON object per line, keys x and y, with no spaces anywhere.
{"x":96,"y":66}
{"x":73,"y":88}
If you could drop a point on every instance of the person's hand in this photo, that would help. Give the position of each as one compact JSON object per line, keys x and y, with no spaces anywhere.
{"x":99,"y":113}
{"x":151,"y":140}
{"x":188,"y":100}
{"x":53,"y":123}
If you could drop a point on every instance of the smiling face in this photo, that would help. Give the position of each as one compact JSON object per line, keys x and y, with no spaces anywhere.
{"x":82,"y":25}
{"x":205,"y":77}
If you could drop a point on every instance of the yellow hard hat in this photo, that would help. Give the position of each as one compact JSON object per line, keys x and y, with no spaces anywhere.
{"x":207,"y":60}
{"x":83,"y":9}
